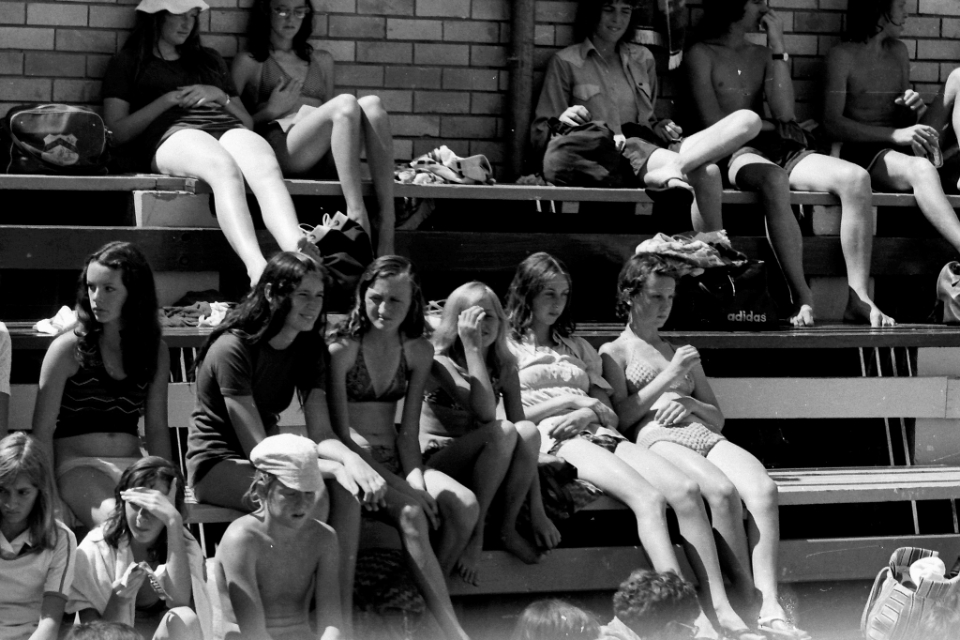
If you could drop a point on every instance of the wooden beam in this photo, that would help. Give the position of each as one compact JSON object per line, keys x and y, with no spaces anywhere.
{"x":852,"y":558}
{"x":477,"y":254}
{"x":873,"y":484}
{"x":133,"y":182}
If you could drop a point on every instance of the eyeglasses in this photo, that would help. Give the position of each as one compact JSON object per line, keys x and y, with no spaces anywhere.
{"x":299,"y":13}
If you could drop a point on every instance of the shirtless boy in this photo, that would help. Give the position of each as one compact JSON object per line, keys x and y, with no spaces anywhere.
{"x":277,"y":559}
{"x":884,"y":124}
{"x":726,"y":73}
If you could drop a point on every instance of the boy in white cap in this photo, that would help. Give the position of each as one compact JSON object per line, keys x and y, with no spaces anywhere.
{"x":278,"y":558}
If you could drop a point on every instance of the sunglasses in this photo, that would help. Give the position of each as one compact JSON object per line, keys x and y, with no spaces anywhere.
{"x":299,"y":13}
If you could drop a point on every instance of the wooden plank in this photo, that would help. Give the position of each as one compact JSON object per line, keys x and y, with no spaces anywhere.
{"x":596,"y":568}
{"x":880,"y":484}
{"x":476,"y":253}
{"x":133,"y":182}
{"x":197,"y":513}
{"x":783,"y":398}
{"x":853,"y":558}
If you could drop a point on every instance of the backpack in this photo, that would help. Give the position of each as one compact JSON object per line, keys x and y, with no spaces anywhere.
{"x":55,"y":139}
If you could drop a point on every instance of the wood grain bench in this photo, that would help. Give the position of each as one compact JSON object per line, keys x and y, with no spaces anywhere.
{"x":929,"y":397}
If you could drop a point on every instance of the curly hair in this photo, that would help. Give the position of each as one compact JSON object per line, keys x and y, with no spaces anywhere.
{"x":530,"y":279}
{"x":555,"y":620}
{"x":446,"y":338}
{"x":588,"y":17}
{"x":648,"y":601}
{"x":21,"y":455}
{"x":101,"y":630}
{"x":633,"y":276}
{"x":142,"y":473}
{"x":146,"y":34}
{"x":263,"y":312}
{"x":140,"y":325}
{"x":258,"y":32}
{"x":356,"y":324}
{"x":863,"y":19}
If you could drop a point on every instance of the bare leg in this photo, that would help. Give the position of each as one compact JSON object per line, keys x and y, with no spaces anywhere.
{"x":334,"y":126}
{"x":851,"y":184}
{"x":706,"y":213}
{"x":523,"y":482}
{"x":684,"y":495}
{"x":486,"y":450}
{"x":378,"y":143}
{"x":89,"y":494}
{"x":459,"y":516}
{"x":620,"y":480}
{"x":901,"y":172}
{"x":414,"y":532}
{"x":751,"y":172}
{"x":180,"y":623}
{"x":344,"y":517}
{"x":195,"y":153}
{"x":760,"y":494}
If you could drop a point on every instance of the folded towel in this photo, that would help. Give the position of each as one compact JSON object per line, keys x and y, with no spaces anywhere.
{"x":64,"y":319}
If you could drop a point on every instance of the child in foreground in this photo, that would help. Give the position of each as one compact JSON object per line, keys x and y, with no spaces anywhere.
{"x":555,"y":620}
{"x":653,"y":606}
{"x":277,"y":560}
{"x":36,"y":550}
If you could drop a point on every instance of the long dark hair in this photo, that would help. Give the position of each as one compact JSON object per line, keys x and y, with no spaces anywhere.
{"x":146,"y":33}
{"x":142,"y":473}
{"x":588,"y":17}
{"x":718,"y":15}
{"x":258,"y":32}
{"x":530,"y":279}
{"x":260,"y":316}
{"x":863,"y":19}
{"x":22,"y":455}
{"x":140,"y":325}
{"x":357,"y":323}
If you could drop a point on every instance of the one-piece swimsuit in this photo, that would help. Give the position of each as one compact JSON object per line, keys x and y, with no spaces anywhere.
{"x":688,"y":433}
{"x":360,"y":389}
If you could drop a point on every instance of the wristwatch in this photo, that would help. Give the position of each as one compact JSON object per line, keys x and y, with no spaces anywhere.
{"x":781,"y":56}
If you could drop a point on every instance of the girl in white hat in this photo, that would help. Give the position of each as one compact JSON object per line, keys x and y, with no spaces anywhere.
{"x":173,"y":101}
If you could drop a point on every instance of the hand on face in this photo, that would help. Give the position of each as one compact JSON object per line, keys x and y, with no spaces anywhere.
{"x":159,"y":505}
{"x":470,"y":327}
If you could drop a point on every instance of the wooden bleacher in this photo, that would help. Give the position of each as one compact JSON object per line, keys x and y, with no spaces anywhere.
{"x":923,"y":398}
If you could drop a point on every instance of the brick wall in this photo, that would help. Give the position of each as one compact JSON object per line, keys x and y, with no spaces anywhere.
{"x":439,"y":65}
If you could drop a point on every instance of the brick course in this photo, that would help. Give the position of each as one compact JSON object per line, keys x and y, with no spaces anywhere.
{"x":439,"y":66}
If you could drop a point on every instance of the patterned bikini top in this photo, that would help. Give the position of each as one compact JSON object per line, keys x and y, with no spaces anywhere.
{"x":360,"y":386}
{"x":271,"y":74}
{"x":93,"y":402}
{"x":640,"y":372}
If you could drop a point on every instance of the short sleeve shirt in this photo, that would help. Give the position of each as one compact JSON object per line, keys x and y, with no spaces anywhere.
{"x":26,"y":576}
{"x":6,"y":358}
{"x":235,"y":368}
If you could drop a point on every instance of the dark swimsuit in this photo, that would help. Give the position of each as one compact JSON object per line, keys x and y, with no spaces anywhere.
{"x":360,"y":389}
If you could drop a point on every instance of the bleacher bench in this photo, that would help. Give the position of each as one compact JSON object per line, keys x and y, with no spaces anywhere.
{"x":931,"y":397}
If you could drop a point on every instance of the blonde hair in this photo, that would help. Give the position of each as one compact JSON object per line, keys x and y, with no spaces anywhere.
{"x":22,"y":455}
{"x":446,"y":338}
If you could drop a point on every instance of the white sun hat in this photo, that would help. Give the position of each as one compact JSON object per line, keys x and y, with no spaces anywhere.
{"x":172,"y":6}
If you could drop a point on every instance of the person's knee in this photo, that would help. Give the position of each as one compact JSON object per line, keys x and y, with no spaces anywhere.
{"x":683,"y":494}
{"x":721,"y":494}
{"x":747,"y":123}
{"x":953,"y":83}
{"x":372,"y":106}
{"x":647,"y":501}
{"x":762,"y":493}
{"x":774,"y":183}
{"x":853,"y":181}
{"x":413,"y":521}
{"x":346,"y":108}
{"x":181,"y":623}
{"x":505,"y":434}
{"x":921,"y":170}
{"x":460,"y":509}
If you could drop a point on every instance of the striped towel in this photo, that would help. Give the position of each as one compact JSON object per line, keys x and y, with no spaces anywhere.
{"x":663,"y":23}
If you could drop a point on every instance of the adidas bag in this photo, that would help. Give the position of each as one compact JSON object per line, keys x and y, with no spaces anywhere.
{"x":55,"y":139}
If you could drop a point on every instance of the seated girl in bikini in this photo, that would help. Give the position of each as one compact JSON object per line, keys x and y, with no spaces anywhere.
{"x":98,"y":379}
{"x":461,"y":434}
{"x":380,"y":356}
{"x":665,"y":403}
{"x":288,"y":87}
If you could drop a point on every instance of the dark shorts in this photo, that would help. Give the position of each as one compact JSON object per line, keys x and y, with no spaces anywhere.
{"x":769,"y":145}
{"x":637,"y":152}
{"x":608,"y":442}
{"x":866,"y":154}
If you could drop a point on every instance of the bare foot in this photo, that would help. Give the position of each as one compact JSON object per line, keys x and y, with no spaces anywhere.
{"x":466,"y":566}
{"x":544,"y":531}
{"x":307,"y":248}
{"x":667,"y":177}
{"x":803,"y":317}
{"x":861,"y":309}
{"x":520,"y":547}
